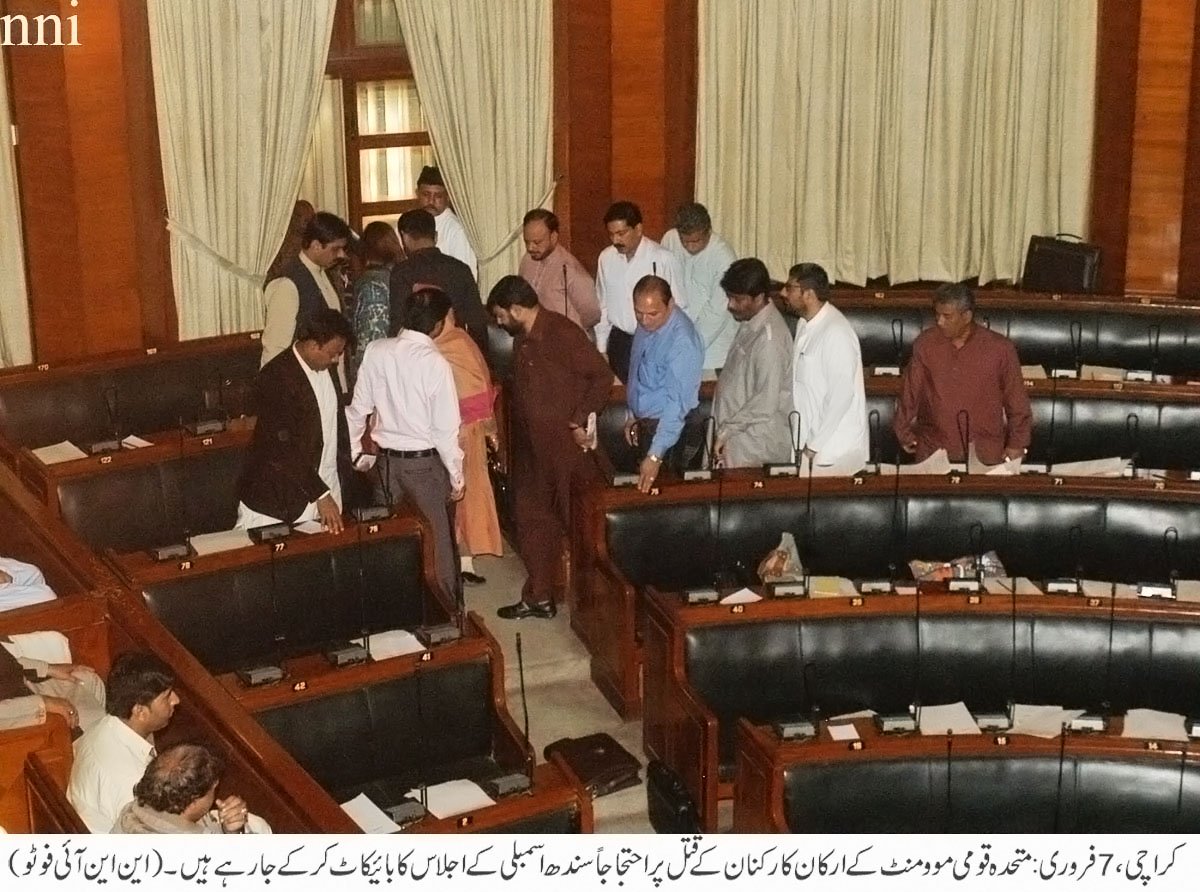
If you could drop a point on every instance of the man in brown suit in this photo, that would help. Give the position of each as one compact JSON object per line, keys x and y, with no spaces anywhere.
{"x":559,"y":380}
{"x":291,"y":471}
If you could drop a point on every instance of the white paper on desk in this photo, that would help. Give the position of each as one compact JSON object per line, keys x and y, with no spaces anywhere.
{"x":849,"y":716}
{"x":392,"y":643}
{"x":369,"y":817}
{"x":741,"y":596}
{"x":843,"y":732}
{"x":224,"y":540}
{"x":847,"y":469}
{"x":1101,"y":373}
{"x":1100,"y":467}
{"x":936,"y":720}
{"x":1041,"y":721}
{"x":1003,"y":585}
{"x":454,"y":797}
{"x":1187,"y":589}
{"x":938,"y":463}
{"x":1033,"y":373}
{"x":133,"y":441}
{"x":58,"y":452}
{"x":309,"y":527}
{"x":1150,"y":724}
{"x":1098,"y":588}
{"x":831,"y":587}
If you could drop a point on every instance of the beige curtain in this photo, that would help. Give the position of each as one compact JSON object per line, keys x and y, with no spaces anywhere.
{"x":483,"y":71}
{"x":16,"y":346}
{"x":323,"y":182}
{"x":237,"y":86}
{"x":918,"y":139}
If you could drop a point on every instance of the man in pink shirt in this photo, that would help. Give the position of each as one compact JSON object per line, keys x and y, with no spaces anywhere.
{"x":963,"y":385}
{"x":561,"y":282}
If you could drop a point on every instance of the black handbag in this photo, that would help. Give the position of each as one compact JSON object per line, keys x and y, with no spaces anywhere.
{"x":671,"y":807}
{"x":1059,"y":265}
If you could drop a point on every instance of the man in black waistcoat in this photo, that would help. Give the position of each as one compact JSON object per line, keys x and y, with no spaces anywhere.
{"x":304,"y":288}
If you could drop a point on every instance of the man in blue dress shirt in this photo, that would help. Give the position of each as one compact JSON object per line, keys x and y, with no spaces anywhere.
{"x":664,"y":382}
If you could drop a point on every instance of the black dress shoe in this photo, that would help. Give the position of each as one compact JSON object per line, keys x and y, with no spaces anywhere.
{"x":470,"y":578}
{"x":522,"y":609}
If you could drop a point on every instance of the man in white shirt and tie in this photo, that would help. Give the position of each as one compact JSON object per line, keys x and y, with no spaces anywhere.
{"x":827,"y":375}
{"x":621,"y":266}
{"x":112,"y":755}
{"x":407,"y":384}
{"x":704,"y":257}
{"x":451,"y":237}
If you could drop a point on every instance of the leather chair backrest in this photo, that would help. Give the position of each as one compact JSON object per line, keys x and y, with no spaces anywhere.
{"x":999,"y":794}
{"x":610,"y":434}
{"x":405,"y":726}
{"x":1133,"y":340}
{"x":128,"y":509}
{"x":227,"y":621}
{"x":151,"y":396}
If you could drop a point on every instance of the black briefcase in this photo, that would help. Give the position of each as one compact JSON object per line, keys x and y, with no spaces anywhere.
{"x":1060,"y":265}
{"x":602,"y":765}
{"x":671,"y":807}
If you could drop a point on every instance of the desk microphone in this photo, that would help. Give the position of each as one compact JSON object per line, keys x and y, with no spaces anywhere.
{"x":897,"y":351}
{"x":408,"y":809}
{"x":805,"y":725}
{"x":883,"y":586}
{"x":711,"y":594}
{"x":1076,"y":335}
{"x":1070,"y":585}
{"x":516,"y":781}
{"x":873,"y":427}
{"x":949,"y":768}
{"x":268,"y":673}
{"x":566,"y":294}
{"x":1167,"y":591}
{"x":210,"y":419}
{"x":975,"y":543}
{"x":175,"y":550}
{"x":791,"y":468}
{"x":962,"y":421}
{"x":111,"y":443}
{"x":1062,"y":757}
{"x":1133,"y":442}
{"x":346,"y":653}
{"x":1153,"y":334}
{"x":710,"y":444}
{"x":1183,"y":754}
{"x":810,"y":528}
{"x":1051,"y":450}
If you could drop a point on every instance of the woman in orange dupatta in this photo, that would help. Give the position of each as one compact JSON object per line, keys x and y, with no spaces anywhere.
{"x":476,"y":521}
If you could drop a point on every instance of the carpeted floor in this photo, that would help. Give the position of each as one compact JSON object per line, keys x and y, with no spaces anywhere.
{"x":563,"y":702}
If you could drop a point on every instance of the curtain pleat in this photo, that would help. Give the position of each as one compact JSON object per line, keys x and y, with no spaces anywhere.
{"x":16,"y":342}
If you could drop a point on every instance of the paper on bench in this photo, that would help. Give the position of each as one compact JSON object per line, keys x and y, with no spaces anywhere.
{"x":831,"y":587}
{"x":741,"y":596}
{"x":58,"y":452}
{"x":938,"y":463}
{"x":309,"y":527}
{"x":848,"y":716}
{"x":1042,"y":721}
{"x":1033,"y":373}
{"x":1101,"y":373}
{"x":1003,"y":585}
{"x":1188,"y":589}
{"x":135,"y":442}
{"x":369,"y":817}
{"x":1150,"y":724}
{"x":392,"y":643}
{"x":843,"y":732}
{"x":1100,"y":467}
{"x":935,"y":720}
{"x":454,"y":797}
{"x":225,"y":540}
{"x":848,"y":469}
{"x":1098,"y":588}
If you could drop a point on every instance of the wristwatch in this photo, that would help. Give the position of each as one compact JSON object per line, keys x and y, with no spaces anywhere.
{"x":654,"y":458}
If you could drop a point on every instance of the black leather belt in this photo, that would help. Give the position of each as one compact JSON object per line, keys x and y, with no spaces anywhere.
{"x":409,"y":453}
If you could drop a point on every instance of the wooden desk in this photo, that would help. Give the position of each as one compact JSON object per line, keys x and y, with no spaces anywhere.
{"x":763,"y":759}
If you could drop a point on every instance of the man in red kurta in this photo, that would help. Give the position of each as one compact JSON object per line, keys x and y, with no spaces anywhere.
{"x":558,"y":378}
{"x":963,"y":385}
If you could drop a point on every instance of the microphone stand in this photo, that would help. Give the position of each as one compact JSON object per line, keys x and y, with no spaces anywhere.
{"x":963,"y":421}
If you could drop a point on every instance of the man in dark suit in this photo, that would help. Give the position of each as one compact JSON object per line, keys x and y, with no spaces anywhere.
{"x":426,"y":266}
{"x":291,"y":471}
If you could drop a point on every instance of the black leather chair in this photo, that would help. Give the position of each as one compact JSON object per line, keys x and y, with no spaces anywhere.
{"x":247,"y":615}
{"x":998,"y":794}
{"x":149,"y":395}
{"x":140,"y":507}
{"x":391,"y":736}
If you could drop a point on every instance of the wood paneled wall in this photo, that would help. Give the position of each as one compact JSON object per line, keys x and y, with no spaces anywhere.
{"x":87,"y":163}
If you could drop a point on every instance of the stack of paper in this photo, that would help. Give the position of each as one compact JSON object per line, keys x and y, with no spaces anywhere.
{"x":58,"y":453}
{"x":369,"y":817}
{"x":224,"y":540}
{"x":308,"y":527}
{"x":831,"y":587}
{"x":1042,"y":721}
{"x":1003,"y":585}
{"x":1095,"y":588}
{"x":392,"y":643}
{"x":1101,"y":467}
{"x":1033,"y":373}
{"x":135,"y":442}
{"x":1101,"y":373}
{"x":1188,"y":589}
{"x":741,"y":596}
{"x":938,"y":463}
{"x":843,"y":732}
{"x":954,"y":717}
{"x":454,"y":797}
{"x":1150,"y":724}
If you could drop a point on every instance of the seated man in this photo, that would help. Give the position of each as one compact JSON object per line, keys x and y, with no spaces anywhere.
{"x":22,"y":584}
{"x":291,"y":472}
{"x":57,"y":685}
{"x":665,"y":364}
{"x":963,"y":385}
{"x":113,"y":754}
{"x":177,"y":794}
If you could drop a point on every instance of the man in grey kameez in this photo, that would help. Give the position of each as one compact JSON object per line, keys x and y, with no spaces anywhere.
{"x":754,"y":394}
